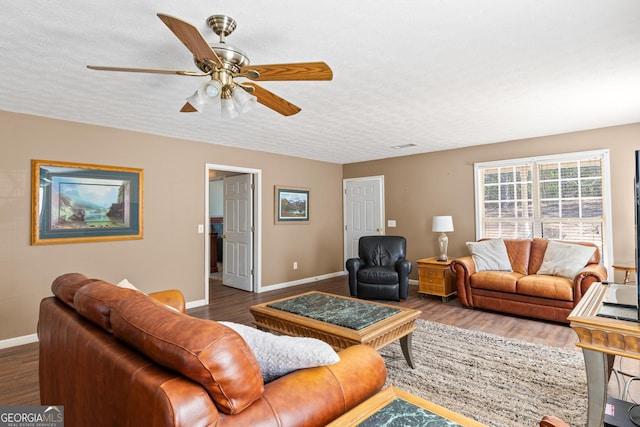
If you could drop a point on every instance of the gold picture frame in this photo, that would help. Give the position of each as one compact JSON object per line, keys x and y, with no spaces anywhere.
{"x":79,"y":202}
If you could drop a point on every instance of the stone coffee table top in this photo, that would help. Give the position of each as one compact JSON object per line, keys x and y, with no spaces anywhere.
{"x":396,"y":407}
{"x":408,"y":413}
{"x":335,"y":310}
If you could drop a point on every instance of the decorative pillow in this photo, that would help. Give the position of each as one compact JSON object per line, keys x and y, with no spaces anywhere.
{"x":565,"y":259}
{"x":490,"y":255}
{"x":124,"y":283}
{"x":280,"y":354}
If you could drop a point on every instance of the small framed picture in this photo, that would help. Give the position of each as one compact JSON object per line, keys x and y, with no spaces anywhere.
{"x":292,"y":205}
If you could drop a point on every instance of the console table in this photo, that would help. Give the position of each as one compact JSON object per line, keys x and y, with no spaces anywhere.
{"x":601,"y":339}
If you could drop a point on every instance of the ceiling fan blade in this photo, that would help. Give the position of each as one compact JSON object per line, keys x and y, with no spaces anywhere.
{"x":147,"y":70}
{"x":299,"y":71}
{"x":191,"y":38}
{"x":273,"y":101}
{"x":188,"y":108}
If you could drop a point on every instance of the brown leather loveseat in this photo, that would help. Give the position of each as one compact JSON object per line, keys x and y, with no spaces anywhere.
{"x":118,"y":357}
{"x":524,"y":291}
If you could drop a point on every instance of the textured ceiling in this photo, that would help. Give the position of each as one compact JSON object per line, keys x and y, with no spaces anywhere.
{"x":437,"y":74}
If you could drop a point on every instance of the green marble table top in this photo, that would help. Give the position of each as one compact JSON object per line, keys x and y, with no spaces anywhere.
{"x":400,"y":413}
{"x":335,"y":310}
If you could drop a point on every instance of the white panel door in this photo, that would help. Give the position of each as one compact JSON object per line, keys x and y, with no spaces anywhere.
{"x":363,"y":211}
{"x":237,"y":239}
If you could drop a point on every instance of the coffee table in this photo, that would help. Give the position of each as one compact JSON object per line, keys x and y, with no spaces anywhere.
{"x":393,"y":406}
{"x":339,"y":321}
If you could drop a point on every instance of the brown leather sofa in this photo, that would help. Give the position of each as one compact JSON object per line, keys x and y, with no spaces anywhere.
{"x":522,"y":291}
{"x":118,"y":357}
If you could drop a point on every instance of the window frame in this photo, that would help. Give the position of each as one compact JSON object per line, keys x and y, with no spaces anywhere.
{"x":532,"y":162}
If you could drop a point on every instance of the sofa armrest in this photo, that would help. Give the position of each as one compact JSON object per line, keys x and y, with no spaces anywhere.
{"x":463,"y":268}
{"x":324,"y":393}
{"x":353,"y":265}
{"x":403,"y":267}
{"x":171,"y":297}
{"x":590,"y":274}
{"x":552,"y":421}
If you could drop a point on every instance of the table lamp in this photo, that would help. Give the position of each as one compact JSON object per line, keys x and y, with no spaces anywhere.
{"x":442,"y":224}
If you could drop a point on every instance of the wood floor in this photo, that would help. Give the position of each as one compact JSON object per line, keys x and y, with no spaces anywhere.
{"x":19,"y":365}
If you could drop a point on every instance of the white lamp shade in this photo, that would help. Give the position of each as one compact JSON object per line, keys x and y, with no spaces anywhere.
{"x":209,"y":92}
{"x":242,"y":100}
{"x":442,"y":224}
{"x":229,"y":109}
{"x":196,"y":101}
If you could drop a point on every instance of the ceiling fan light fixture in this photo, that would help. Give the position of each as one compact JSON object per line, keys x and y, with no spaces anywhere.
{"x":196,"y":101}
{"x":210,"y":91}
{"x":242,"y":100}
{"x":228,"y":109}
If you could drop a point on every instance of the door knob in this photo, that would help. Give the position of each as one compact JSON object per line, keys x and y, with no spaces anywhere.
{"x":224,"y":236}
{"x":378,"y":229}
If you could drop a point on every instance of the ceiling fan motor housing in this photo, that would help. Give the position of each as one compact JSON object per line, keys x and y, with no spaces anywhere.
{"x":232,"y":58}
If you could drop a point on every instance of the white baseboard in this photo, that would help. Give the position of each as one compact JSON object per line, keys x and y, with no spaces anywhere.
{"x":300,"y":281}
{"x":13,"y":342}
{"x":196,"y":303}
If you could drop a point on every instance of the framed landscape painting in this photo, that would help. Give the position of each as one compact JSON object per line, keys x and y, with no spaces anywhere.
{"x":292,"y":205}
{"x":76,"y":202}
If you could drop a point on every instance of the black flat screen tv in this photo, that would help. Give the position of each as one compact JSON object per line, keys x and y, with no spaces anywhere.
{"x":623,"y":301}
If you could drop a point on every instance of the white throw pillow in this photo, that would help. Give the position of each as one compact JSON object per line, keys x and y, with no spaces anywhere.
{"x":278,"y":355}
{"x":565,"y":259}
{"x":490,"y":255}
{"x":124,"y":283}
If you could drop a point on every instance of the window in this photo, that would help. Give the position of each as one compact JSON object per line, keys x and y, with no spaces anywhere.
{"x":561,"y":197}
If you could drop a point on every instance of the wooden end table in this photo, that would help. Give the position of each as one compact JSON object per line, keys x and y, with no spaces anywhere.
{"x":436,"y":278}
{"x":393,"y":322}
{"x":396,"y":403}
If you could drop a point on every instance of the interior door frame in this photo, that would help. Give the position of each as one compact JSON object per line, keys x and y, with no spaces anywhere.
{"x":257,"y":216}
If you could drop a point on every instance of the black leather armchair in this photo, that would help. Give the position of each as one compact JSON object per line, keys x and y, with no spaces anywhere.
{"x":381,"y":271}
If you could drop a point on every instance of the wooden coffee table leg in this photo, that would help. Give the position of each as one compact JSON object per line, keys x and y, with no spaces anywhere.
{"x":405,"y":344}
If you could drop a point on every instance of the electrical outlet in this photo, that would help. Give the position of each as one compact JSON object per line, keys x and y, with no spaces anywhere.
{"x":295,"y":265}
{"x":200,"y":228}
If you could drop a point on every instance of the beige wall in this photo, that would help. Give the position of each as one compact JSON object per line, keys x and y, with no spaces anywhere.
{"x":172,"y":253}
{"x":421,"y":186}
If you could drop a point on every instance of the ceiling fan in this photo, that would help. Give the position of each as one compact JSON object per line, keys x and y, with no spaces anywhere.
{"x":224,"y":63}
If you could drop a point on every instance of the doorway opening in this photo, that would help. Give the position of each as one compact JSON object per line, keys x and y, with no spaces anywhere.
{"x":233,"y":213}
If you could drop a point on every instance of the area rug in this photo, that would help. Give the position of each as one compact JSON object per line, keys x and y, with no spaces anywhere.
{"x":494,"y":380}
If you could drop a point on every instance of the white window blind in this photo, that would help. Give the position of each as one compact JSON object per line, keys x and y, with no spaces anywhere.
{"x":561,"y":197}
